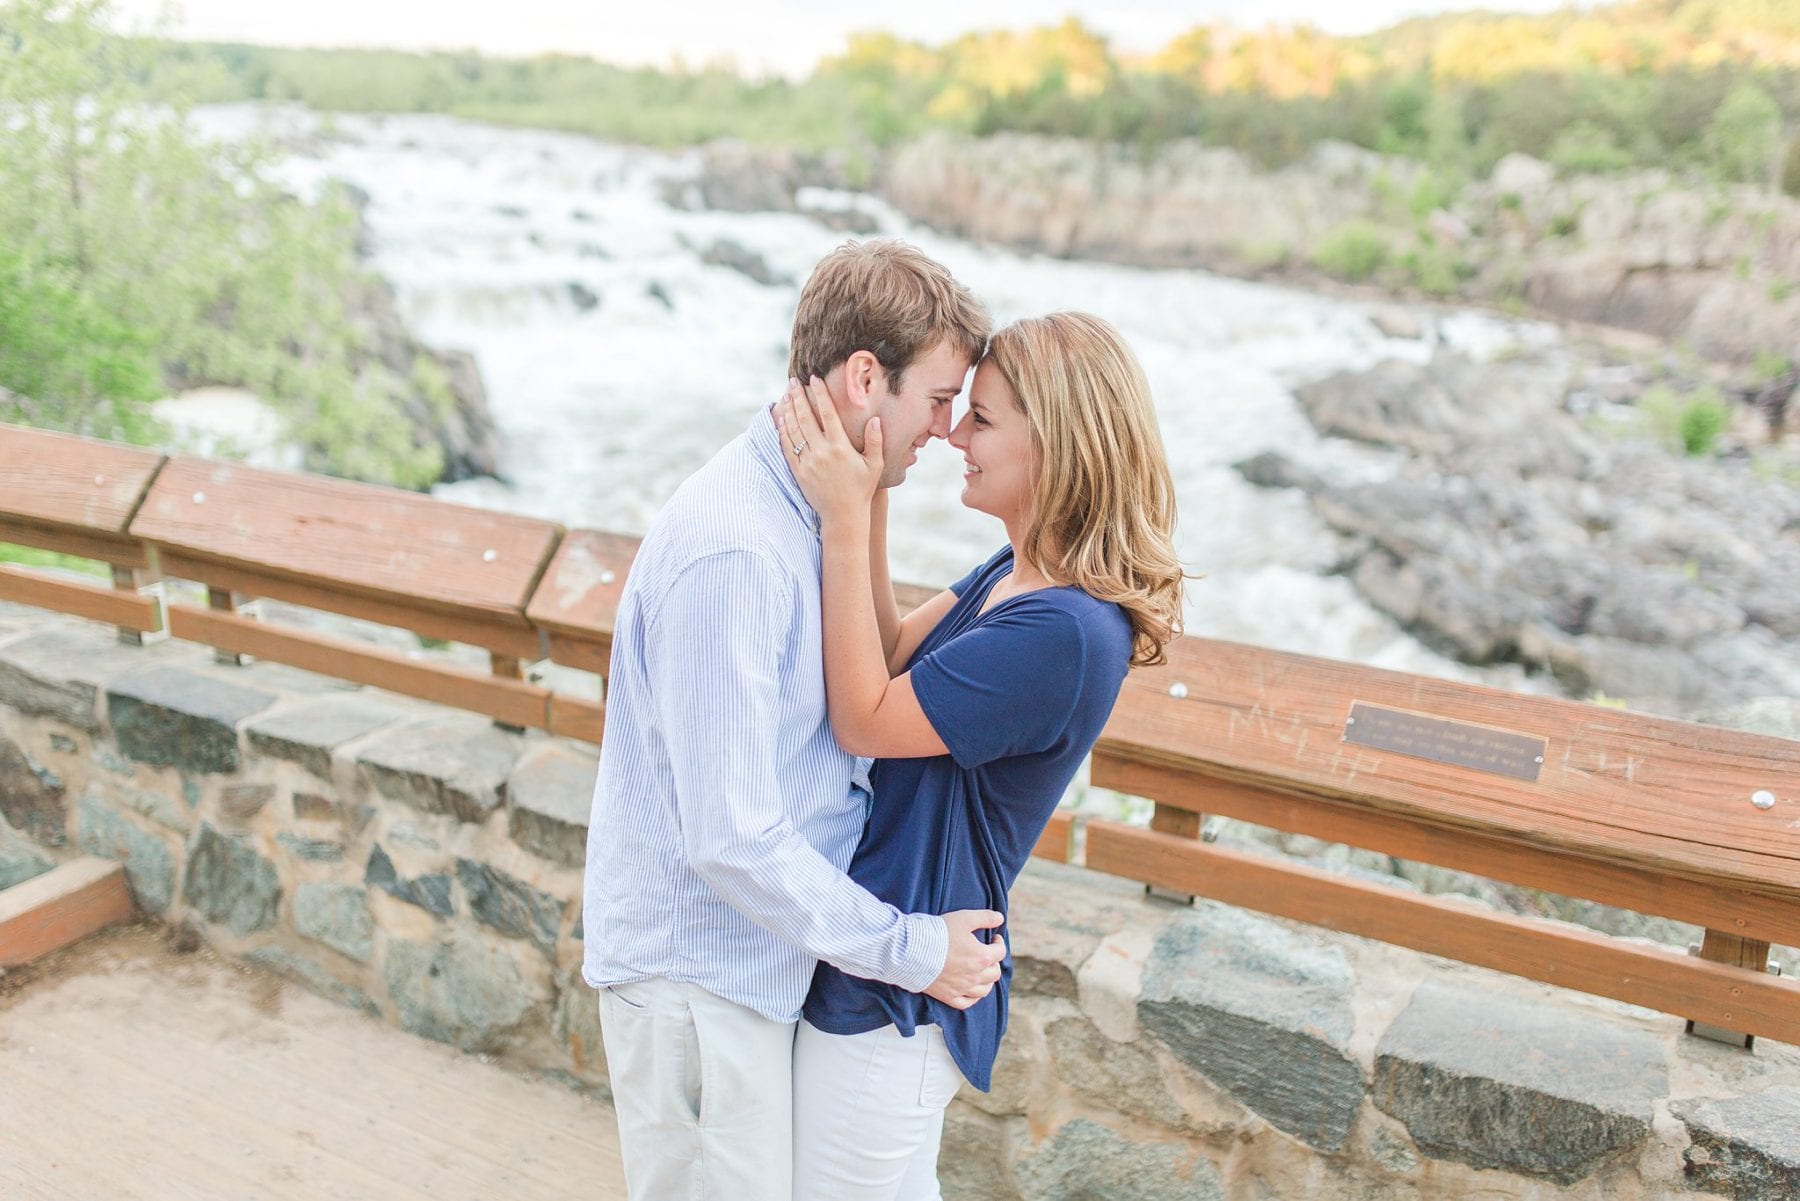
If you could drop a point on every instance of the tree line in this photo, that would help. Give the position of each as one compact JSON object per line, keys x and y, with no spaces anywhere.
{"x":1707,"y":86}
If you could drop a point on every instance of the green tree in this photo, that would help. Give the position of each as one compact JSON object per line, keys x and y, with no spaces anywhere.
{"x":125,"y":242}
{"x":1745,"y":134}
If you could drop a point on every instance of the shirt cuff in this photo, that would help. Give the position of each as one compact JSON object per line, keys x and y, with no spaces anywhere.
{"x":927,"y":949}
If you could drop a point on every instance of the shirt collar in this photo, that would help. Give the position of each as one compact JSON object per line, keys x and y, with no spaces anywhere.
{"x":765,"y":444}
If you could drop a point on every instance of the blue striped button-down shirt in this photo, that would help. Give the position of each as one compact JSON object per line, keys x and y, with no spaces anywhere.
{"x":725,"y":813}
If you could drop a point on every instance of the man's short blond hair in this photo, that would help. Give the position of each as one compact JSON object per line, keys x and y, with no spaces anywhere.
{"x":889,"y":299}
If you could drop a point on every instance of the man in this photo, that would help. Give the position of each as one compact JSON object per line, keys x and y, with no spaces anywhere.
{"x":725,"y":813}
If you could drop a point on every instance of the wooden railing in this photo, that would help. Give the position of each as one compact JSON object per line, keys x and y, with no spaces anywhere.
{"x":1682,"y":821}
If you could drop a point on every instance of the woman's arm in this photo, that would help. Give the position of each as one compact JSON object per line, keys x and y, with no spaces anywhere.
{"x":900,"y":636}
{"x":871,"y":714}
{"x":887,"y":609}
{"x":915,"y":625}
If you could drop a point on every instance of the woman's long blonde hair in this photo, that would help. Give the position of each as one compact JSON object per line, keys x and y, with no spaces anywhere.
{"x":1103,"y":502}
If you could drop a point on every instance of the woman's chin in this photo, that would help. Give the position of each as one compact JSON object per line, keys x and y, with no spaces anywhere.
{"x":973,"y":501}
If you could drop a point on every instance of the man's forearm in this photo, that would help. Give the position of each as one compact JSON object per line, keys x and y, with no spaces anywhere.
{"x":780,"y":881}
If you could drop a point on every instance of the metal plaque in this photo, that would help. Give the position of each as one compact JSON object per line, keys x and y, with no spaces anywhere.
{"x":1479,"y":748}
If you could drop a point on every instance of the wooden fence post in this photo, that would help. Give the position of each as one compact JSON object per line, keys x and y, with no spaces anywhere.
{"x":1720,"y":947}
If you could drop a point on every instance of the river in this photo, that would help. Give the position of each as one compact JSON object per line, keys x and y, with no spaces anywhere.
{"x":617,"y":360}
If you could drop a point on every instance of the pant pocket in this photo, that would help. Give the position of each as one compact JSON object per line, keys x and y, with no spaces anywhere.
{"x":622,"y":994}
{"x":941,"y":1078}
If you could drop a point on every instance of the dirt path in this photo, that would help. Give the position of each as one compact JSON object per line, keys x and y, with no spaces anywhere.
{"x":128,"y":1071}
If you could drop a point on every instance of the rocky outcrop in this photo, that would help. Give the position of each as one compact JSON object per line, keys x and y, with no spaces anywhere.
{"x":735,"y":177}
{"x":438,"y":394}
{"x":442,"y":393}
{"x":1187,"y":205}
{"x":1718,"y":269}
{"x":1511,"y":533}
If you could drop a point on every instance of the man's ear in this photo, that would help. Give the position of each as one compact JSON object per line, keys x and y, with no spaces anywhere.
{"x":863,"y":378}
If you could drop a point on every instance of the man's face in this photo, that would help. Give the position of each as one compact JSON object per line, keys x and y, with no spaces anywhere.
{"x":920,"y":410}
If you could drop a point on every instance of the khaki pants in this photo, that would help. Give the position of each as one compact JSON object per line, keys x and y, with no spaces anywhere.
{"x":702,"y":1088}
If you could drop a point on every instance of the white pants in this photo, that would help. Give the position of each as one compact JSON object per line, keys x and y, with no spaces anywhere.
{"x":869,"y":1113}
{"x":701,"y":1087}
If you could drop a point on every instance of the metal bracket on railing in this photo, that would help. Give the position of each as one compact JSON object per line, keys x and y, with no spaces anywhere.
{"x":1157,"y":892}
{"x":1718,"y":1034}
{"x":157,"y":593}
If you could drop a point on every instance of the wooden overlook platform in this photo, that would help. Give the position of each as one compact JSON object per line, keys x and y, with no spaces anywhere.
{"x":1663,"y":817}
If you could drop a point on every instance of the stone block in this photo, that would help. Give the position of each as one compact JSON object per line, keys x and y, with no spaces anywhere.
{"x":160,"y":808}
{"x":313,"y":850}
{"x":975,"y":1160}
{"x":413,"y":838}
{"x":57,"y":672}
{"x":1084,"y":1160}
{"x":31,"y":796}
{"x":576,"y":1026}
{"x":353,"y":817}
{"x":113,"y":762}
{"x":1746,"y":1146}
{"x":1121,"y":1076}
{"x":228,"y":882}
{"x":1056,"y":920}
{"x":308,"y":733}
{"x":241,"y":802}
{"x":457,"y":766}
{"x":550,"y":794}
{"x":1262,"y":1013}
{"x":336,"y":915}
{"x":510,"y":905}
{"x":313,"y":978}
{"x":1018,"y":1068}
{"x":149,"y":868}
{"x":459,"y":992}
{"x":430,"y":893}
{"x":1498,"y":1081}
{"x":19,"y":864}
{"x":175,"y":717}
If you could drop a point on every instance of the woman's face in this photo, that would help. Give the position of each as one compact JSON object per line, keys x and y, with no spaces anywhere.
{"x":995,"y":440}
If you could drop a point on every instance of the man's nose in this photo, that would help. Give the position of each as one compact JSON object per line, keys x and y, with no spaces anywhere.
{"x":940,"y":422}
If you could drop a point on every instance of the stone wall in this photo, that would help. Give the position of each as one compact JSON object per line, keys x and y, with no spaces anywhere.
{"x":423,"y":866}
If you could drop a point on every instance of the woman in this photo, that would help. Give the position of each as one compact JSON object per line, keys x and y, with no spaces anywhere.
{"x":999,"y":688}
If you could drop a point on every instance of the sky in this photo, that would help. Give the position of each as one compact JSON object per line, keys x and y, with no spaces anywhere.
{"x":759,"y":36}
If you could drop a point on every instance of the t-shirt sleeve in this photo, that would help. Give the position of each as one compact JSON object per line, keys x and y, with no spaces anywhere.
{"x":1007,"y":687}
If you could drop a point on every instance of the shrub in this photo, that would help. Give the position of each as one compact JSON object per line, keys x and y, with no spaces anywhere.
{"x":1435,"y":269}
{"x":1702,"y":420}
{"x":1745,"y":134}
{"x":1353,"y":251}
{"x":1585,"y":146}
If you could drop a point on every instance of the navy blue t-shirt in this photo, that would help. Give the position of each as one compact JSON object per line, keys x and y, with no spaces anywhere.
{"x":1019,"y":695}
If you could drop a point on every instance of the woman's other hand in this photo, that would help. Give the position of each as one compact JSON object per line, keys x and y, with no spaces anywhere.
{"x":839,"y":481}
